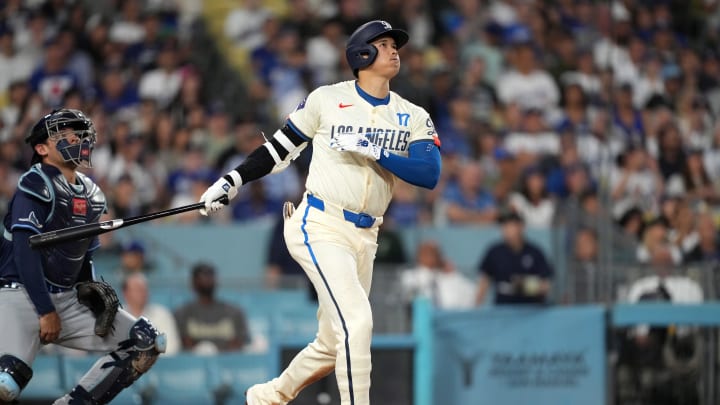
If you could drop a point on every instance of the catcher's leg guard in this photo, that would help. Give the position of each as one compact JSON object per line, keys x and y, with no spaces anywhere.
{"x":119,"y":369}
{"x":14,"y":376}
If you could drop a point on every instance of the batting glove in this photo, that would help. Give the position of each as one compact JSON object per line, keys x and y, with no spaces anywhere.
{"x":226,"y":186}
{"x":357,"y":143}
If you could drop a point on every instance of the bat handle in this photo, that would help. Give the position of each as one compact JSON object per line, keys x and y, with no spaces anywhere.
{"x":224,"y":200}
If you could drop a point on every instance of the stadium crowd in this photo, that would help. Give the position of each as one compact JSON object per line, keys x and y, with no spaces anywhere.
{"x":571,"y":112}
{"x":596,"y":117}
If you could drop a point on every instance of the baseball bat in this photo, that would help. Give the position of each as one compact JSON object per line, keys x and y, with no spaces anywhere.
{"x":99,"y":228}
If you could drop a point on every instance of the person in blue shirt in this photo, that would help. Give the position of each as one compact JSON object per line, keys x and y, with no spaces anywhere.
{"x":515,"y":267}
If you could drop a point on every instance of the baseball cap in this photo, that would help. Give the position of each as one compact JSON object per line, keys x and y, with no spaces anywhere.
{"x":133,"y":246}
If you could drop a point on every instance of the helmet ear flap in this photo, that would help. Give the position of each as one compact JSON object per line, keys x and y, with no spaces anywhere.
{"x":360,"y":56}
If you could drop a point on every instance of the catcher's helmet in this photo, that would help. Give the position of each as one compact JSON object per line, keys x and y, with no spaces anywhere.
{"x":54,"y":124}
{"x":360,"y":53}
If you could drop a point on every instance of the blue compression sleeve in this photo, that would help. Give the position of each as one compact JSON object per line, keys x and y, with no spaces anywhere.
{"x":421,"y":167}
{"x":31,"y":274}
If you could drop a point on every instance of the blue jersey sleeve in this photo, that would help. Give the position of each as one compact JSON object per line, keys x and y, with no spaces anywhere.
{"x":28,"y":218}
{"x":31,"y":274}
{"x":421,"y":167}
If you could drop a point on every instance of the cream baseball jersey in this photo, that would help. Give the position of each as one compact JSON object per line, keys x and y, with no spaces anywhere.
{"x":347,"y":179}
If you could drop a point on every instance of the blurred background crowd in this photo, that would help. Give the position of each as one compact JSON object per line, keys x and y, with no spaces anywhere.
{"x":599,"y":118}
{"x":565,"y":111}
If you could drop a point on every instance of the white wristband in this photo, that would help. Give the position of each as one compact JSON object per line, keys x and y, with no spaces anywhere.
{"x":235,"y":176}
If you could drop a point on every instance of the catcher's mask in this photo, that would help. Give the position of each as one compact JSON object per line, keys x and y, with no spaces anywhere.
{"x":54,"y":126}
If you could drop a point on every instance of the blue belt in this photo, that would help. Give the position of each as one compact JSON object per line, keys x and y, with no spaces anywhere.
{"x":54,"y":289}
{"x":361,"y":220}
{"x":5,"y":283}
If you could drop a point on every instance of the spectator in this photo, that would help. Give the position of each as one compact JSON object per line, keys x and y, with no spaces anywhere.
{"x":128,"y":160}
{"x":117,"y":94}
{"x":585,"y":76}
{"x":527,"y":84}
{"x":627,"y":121}
{"x":78,"y":62}
{"x":125,"y":202}
{"x":255,"y":203}
{"x":325,"y":51}
{"x":534,"y":141}
{"x":696,"y":182}
{"x":707,"y":250}
{"x":52,"y":79}
{"x":127,"y":29}
{"x":406,"y":208}
{"x":571,"y":178}
{"x":662,"y":362}
{"x":508,"y":172}
{"x":282,"y":186}
{"x":208,"y":323}
{"x":132,"y":258}
{"x":243,"y":25}
{"x":414,"y":83}
{"x":15,"y":66}
{"x":650,"y":81}
{"x":467,"y":202}
{"x":671,"y":154}
{"x":575,"y":117}
{"x":655,"y":247}
{"x":532,"y":201}
{"x":194,"y":167}
{"x":163,"y":83}
{"x":143,"y":54}
{"x":480,"y":93}
{"x":515,"y":267}
{"x":436,"y":278}
{"x":218,"y":137}
{"x":682,"y":228}
{"x":636,"y":180}
{"x":138,"y":303}
{"x":585,"y":280}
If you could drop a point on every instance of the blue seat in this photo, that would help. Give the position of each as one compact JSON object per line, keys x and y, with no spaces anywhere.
{"x":46,"y":383}
{"x":233,"y":373}
{"x":180,"y":379}
{"x":75,"y":367}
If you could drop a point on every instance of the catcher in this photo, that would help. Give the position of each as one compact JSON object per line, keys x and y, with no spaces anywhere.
{"x":50,"y":295}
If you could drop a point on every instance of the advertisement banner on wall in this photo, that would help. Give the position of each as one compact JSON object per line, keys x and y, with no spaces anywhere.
{"x":516,"y":356}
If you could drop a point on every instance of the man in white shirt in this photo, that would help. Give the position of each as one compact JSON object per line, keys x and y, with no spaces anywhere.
{"x":435,"y":278}
{"x":526,"y":84}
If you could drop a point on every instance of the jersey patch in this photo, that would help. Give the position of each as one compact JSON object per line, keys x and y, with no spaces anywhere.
{"x":31,"y":219}
{"x":403,"y":119}
{"x":79,"y":206}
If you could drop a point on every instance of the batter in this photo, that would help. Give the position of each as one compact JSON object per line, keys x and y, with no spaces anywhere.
{"x":364,"y":139}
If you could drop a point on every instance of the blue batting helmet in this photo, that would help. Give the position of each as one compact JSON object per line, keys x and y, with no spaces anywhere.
{"x":360,"y":53}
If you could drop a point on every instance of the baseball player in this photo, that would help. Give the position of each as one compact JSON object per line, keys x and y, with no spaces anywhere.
{"x":365,"y":138}
{"x":42,"y":292}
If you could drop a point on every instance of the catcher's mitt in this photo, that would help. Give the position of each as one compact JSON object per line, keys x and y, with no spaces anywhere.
{"x":102,"y":300}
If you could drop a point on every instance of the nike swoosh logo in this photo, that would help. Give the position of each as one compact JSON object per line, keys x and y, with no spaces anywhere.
{"x":341,"y":105}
